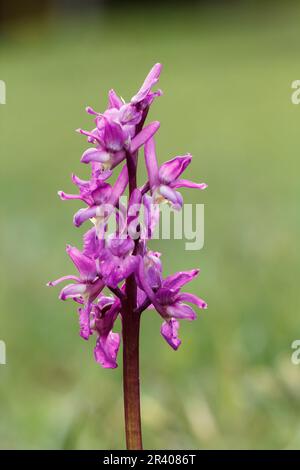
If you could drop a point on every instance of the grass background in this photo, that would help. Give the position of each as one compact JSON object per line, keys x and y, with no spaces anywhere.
{"x":227,"y":82}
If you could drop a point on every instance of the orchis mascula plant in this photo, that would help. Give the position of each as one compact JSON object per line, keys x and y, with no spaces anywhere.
{"x":121,"y":261}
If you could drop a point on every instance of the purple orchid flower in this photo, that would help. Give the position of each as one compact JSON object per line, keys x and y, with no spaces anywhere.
{"x":122,"y":261}
{"x":102,"y":201}
{"x":103,"y":317}
{"x":170,"y":302}
{"x":85,"y":288}
{"x":164,"y":180}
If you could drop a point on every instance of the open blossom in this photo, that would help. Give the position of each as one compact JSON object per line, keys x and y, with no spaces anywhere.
{"x":164,"y":180}
{"x":170,"y":302}
{"x":108,"y":261}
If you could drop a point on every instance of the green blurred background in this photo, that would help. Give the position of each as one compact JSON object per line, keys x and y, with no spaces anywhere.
{"x":227,"y":100}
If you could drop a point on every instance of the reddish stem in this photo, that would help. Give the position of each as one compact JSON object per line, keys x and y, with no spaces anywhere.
{"x":131,"y":381}
{"x":131,"y":330}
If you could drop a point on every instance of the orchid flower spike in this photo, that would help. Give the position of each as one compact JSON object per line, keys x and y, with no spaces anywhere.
{"x":120,"y":260}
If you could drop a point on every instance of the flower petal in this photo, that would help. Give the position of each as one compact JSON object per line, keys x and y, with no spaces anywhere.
{"x":150,"y":80}
{"x":145,"y":134}
{"x":84,"y":214}
{"x":151,"y":216}
{"x":114,"y":101}
{"x":169,"y":330}
{"x":177,"y":280}
{"x":193,"y":299}
{"x":182,"y":311}
{"x":62,"y":279}
{"x":95,"y":155}
{"x":106,"y":350}
{"x":84,"y":321}
{"x":174,"y":197}
{"x":91,"y":243}
{"x":119,"y":186}
{"x":130,"y":115}
{"x":187,"y":184}
{"x":65,"y":197}
{"x":85,"y":265}
{"x":72,"y":291}
{"x":151,"y":163}
{"x":172,"y":169}
{"x":113,"y":134}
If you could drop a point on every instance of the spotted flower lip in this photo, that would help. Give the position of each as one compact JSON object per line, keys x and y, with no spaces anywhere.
{"x":123,"y":259}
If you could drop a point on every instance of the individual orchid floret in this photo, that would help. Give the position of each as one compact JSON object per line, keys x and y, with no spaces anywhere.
{"x":103,"y":317}
{"x":85,"y":288}
{"x":112,"y":147}
{"x":92,"y":192}
{"x":145,"y":96}
{"x":164,"y":180}
{"x":169,"y":302}
{"x":103,"y":201}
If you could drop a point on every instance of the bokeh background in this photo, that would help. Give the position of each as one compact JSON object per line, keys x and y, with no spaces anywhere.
{"x":228,"y":68}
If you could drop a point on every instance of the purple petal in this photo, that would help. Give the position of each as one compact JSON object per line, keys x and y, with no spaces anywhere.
{"x":150,"y":80}
{"x":194,"y":299}
{"x":85,"y":265}
{"x":119,"y":186}
{"x":95,"y":155}
{"x":91,"y":244}
{"x":151,"y":163}
{"x":169,"y":330}
{"x":151,"y":216}
{"x":150,"y":98}
{"x":188,"y":184}
{"x":166,"y":296}
{"x":145,"y":134}
{"x":122,"y":270}
{"x":113,"y":136}
{"x":79,"y":182}
{"x":114,"y":101}
{"x":72,"y":291}
{"x":93,"y":136}
{"x":65,"y":197}
{"x":106,"y":350}
{"x":102,"y":193}
{"x":84,"y":321}
{"x":62,"y":279}
{"x":174,"y":197}
{"x":120,"y":246}
{"x":177,"y":280}
{"x":84,"y":214}
{"x":182,"y":311}
{"x":116,"y":158}
{"x":91,"y":111}
{"x":104,"y":321}
{"x":153,"y":269}
{"x":94,"y":289}
{"x":130,"y":115}
{"x":172,"y":169}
